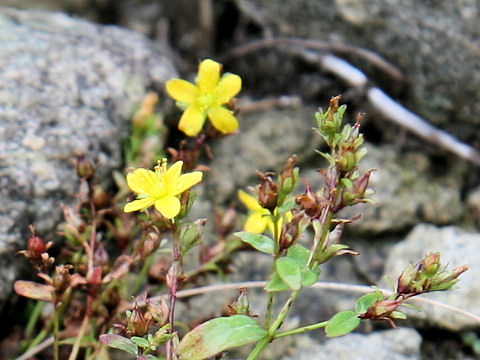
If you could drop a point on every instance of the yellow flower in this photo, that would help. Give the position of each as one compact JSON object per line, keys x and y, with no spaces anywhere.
{"x":259,"y":218}
{"x":206,"y":98}
{"x":160,"y":187}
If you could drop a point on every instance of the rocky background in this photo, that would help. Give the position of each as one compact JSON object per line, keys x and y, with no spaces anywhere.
{"x":72,"y":72}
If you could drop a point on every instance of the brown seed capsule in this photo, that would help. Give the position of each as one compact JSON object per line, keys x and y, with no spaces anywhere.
{"x":268,"y":192}
{"x":35,"y":244}
{"x":85,"y":168}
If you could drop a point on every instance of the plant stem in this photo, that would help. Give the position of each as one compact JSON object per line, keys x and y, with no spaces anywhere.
{"x":56,"y":333}
{"x":172,"y":279}
{"x":268,"y":317}
{"x":271,"y":331}
{"x":301,"y":330}
{"x":320,"y":238}
{"x":271,"y":295}
{"x":79,"y":337}
{"x":32,"y":321}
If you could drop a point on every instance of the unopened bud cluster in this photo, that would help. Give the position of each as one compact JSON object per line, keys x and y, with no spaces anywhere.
{"x":344,"y":186}
{"x":427,"y":276}
{"x":423,"y":277}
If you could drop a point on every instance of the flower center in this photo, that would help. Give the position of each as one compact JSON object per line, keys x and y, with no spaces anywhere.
{"x":206,"y":100}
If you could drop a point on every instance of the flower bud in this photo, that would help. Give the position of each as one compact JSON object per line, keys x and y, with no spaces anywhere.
{"x":36,"y":245}
{"x":347,"y":160}
{"x":159,"y":310}
{"x":431,"y":264}
{"x":309,"y":202}
{"x":406,"y":281}
{"x":289,"y":177}
{"x":361,"y":184}
{"x":85,"y":168}
{"x":381,"y":310}
{"x":292,"y":230}
{"x":137,"y":325}
{"x":241,"y":305}
{"x":267,"y":193}
{"x":151,"y":244}
{"x":61,"y":280}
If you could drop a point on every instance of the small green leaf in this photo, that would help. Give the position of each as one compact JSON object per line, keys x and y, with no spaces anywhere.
{"x":347,"y":183}
{"x":189,"y":235}
{"x":140,"y":341}
{"x":289,"y":271}
{"x":366,"y":301}
{"x":276,"y":284}
{"x":310,"y":277}
{"x":259,"y":242}
{"x":342,"y":323}
{"x":217,"y":335}
{"x":399,"y":315}
{"x":299,"y":253}
{"x":119,"y":342}
{"x":287,"y":206}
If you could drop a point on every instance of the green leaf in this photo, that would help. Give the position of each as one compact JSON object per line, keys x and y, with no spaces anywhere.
{"x":310,"y":277}
{"x":140,"y":341}
{"x":259,"y":242}
{"x":119,"y":342}
{"x":347,"y":183}
{"x":217,"y":335}
{"x":366,"y":301}
{"x":282,"y":210}
{"x":299,"y":253}
{"x":289,"y":271}
{"x":189,"y":235}
{"x":342,"y":323}
{"x":399,"y":315}
{"x":276,"y":284}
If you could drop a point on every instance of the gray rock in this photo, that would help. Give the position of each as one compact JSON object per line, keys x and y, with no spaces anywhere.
{"x":405,"y":195}
{"x":395,"y":344}
{"x":435,"y":44}
{"x":66,"y":86}
{"x":457,"y":247}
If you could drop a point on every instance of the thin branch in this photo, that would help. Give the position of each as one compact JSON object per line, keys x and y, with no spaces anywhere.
{"x":35,"y":350}
{"x":281,"y":42}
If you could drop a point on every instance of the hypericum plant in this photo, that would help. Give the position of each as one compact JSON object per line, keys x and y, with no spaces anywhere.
{"x":148,"y":235}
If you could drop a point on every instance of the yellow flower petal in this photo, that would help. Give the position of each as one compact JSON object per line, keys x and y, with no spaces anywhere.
{"x":143,"y":181}
{"x":250,"y":201}
{"x":192,"y":121}
{"x":223,"y":119}
{"x":208,"y":76}
{"x":186,"y":181}
{"x":168,"y":206}
{"x":256,"y":223}
{"x":139,"y":204}
{"x":182,"y":90}
{"x":229,"y":86}
{"x":172,"y":174}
